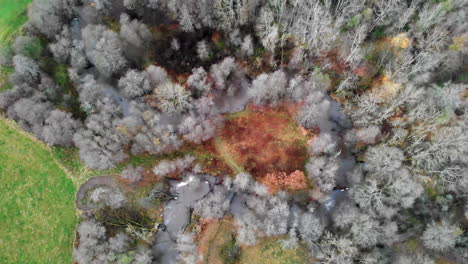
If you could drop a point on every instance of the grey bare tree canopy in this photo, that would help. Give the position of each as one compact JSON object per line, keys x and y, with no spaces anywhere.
{"x":377,"y":89}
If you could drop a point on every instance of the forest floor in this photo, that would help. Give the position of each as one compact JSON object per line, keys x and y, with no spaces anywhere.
{"x":270,"y":250}
{"x":219,"y":234}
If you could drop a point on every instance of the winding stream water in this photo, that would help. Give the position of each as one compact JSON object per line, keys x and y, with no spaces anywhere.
{"x":177,"y":212}
{"x":177,"y":215}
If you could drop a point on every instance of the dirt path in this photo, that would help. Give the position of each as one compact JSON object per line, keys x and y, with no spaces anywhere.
{"x":218,"y":237}
{"x":219,"y":144}
{"x":106,"y":180}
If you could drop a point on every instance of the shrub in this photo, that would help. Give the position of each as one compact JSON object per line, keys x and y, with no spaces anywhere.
{"x":230,"y":251}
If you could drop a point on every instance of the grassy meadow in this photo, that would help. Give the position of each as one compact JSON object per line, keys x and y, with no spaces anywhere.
{"x":37,"y":214}
{"x":12,"y":17}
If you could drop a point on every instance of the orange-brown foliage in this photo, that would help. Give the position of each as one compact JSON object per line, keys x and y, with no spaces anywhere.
{"x":364,"y":70}
{"x":337,"y":64}
{"x":214,"y":234}
{"x":202,"y":226}
{"x":203,"y":234}
{"x":384,"y":86}
{"x":265,"y":140}
{"x":148,"y":179}
{"x":295,"y":181}
{"x":276,"y":181}
{"x":210,"y":162}
{"x":216,"y":37}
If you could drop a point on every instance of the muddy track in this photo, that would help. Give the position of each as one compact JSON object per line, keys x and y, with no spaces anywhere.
{"x":91,"y":183}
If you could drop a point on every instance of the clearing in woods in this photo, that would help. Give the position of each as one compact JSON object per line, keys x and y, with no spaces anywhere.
{"x":263,"y":140}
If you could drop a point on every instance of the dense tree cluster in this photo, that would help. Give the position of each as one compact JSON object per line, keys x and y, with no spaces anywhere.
{"x":377,"y":82}
{"x":96,"y":247}
{"x":165,"y":167}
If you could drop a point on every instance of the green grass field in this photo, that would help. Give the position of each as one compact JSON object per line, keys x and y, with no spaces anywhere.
{"x":12,"y":17}
{"x":37,"y":215}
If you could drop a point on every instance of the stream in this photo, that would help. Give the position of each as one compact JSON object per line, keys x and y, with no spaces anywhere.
{"x":177,"y":214}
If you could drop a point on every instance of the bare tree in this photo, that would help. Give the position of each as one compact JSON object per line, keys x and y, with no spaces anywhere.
{"x":440,"y":236}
